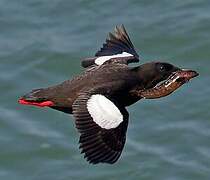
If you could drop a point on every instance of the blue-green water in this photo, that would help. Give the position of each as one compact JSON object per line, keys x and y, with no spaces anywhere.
{"x":42,"y":43}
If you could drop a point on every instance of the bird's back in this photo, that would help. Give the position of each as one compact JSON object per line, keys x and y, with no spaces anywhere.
{"x":115,"y":81}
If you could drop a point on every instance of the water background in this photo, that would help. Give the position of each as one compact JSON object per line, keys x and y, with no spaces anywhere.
{"x":42,"y":43}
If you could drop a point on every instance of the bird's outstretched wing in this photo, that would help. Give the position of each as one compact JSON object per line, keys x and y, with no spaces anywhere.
{"x":102,"y":125}
{"x":118,"y":48}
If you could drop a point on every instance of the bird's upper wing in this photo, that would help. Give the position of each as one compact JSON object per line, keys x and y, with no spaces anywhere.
{"x":102,"y":125}
{"x":118,"y":48}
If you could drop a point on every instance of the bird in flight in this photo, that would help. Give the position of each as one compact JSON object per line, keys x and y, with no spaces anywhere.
{"x":99,"y":96}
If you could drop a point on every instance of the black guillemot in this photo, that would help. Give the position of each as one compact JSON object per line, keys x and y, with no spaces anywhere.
{"x":99,"y":96}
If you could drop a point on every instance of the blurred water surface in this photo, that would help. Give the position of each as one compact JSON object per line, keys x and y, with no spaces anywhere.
{"x":42,"y":43}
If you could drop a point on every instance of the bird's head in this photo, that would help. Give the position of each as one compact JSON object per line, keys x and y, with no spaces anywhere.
{"x":155,"y":72}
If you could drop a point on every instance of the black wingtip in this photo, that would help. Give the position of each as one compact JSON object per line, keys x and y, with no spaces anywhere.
{"x":117,"y":42}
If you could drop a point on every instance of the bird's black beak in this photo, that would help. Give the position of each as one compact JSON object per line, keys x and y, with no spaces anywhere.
{"x":186,"y":75}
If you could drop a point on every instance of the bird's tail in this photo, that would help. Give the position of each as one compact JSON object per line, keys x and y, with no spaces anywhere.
{"x":36,"y":98}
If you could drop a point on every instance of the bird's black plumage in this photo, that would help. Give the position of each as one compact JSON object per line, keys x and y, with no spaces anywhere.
{"x":99,"y":96}
{"x":98,"y":144}
{"x":116,"y":43}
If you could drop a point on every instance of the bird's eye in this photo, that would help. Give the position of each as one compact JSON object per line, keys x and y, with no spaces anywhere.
{"x":162,"y":68}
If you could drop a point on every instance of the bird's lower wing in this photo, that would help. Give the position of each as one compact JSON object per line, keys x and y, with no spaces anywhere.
{"x":102,"y":125}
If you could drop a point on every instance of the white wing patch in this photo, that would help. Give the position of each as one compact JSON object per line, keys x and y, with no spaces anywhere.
{"x":100,"y":60}
{"x":104,"y":112}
